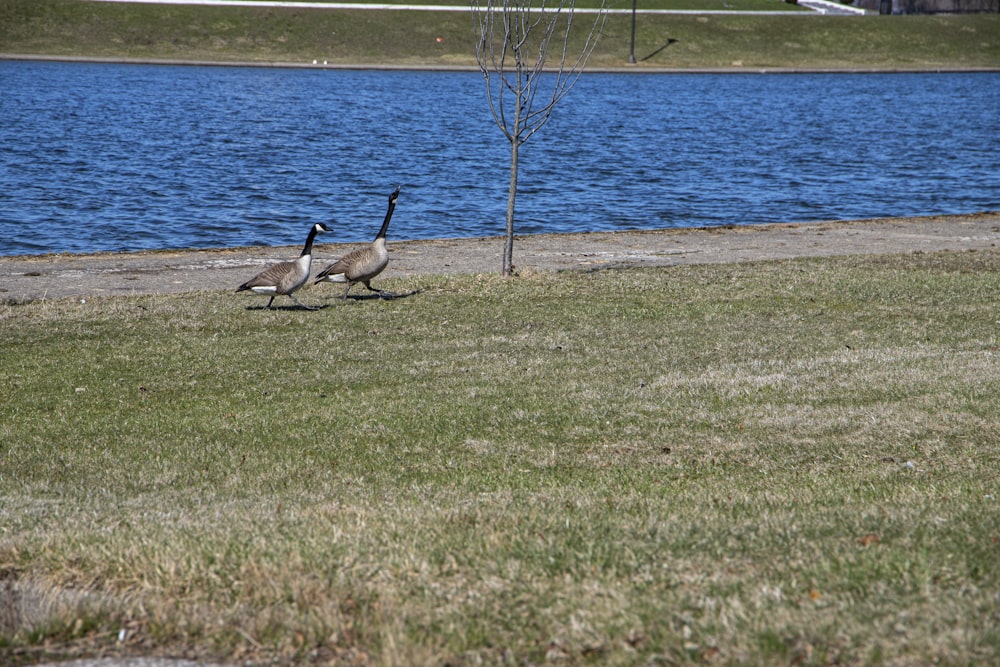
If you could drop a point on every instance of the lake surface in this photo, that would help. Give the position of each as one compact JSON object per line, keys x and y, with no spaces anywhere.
{"x":98,"y":157}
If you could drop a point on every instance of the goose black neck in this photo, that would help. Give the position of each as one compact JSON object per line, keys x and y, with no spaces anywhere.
{"x":308,"y":248}
{"x":388,"y":215}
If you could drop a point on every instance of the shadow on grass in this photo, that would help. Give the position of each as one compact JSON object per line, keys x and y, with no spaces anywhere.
{"x":379,"y":296}
{"x":657,"y":51}
{"x":290,"y":306}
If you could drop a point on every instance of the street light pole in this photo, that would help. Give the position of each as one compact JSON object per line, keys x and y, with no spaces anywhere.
{"x":631,"y":48}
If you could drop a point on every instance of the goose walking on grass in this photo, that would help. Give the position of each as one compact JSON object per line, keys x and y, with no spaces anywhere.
{"x":286,"y":277}
{"x":363,"y":264}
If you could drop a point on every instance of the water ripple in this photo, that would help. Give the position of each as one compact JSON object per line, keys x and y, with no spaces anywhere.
{"x":128,"y":157}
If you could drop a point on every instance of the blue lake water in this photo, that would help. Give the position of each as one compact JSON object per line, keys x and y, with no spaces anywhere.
{"x":114,"y":157}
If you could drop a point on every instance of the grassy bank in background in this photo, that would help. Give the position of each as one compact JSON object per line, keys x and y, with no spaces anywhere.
{"x":70,"y":28}
{"x":766,"y":463}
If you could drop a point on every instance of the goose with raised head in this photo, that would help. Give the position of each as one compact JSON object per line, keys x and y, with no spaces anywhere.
{"x":363,"y":264}
{"x":286,"y":277}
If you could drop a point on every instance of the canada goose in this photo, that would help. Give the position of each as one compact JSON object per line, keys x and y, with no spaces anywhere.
{"x":363,"y":264}
{"x":286,"y":277}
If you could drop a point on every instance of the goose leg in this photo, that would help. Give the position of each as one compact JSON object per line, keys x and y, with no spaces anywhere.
{"x":301,"y":305}
{"x":382,"y":294}
{"x":344,"y":295}
{"x":269,"y":302}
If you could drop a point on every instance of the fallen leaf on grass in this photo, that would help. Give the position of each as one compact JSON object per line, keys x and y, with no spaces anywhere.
{"x":869,"y":540}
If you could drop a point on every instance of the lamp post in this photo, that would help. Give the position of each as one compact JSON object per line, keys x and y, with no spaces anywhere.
{"x":631,"y":47}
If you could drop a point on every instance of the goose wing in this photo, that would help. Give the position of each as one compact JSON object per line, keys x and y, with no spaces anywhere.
{"x":270,"y":277}
{"x":343,"y":266}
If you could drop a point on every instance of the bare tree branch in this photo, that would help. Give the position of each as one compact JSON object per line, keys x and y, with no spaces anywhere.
{"x":512,"y":47}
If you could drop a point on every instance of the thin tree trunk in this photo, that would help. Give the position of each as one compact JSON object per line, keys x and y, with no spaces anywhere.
{"x":508,"y":247}
{"x":515,"y":145}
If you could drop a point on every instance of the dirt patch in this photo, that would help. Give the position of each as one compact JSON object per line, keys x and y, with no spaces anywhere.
{"x":29,"y":278}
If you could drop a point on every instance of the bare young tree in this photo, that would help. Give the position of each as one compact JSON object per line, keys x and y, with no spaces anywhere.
{"x":523,"y":83}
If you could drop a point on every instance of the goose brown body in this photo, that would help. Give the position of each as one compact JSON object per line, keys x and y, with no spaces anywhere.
{"x":286,"y":277}
{"x":362,"y":264}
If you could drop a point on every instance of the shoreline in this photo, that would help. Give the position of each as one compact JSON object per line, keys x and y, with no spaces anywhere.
{"x":625,"y":69}
{"x":27,"y":278}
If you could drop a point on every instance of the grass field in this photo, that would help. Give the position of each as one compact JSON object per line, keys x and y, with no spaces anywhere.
{"x":68,"y":28}
{"x":767,"y":463}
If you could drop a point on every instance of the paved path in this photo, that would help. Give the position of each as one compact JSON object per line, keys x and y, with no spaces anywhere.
{"x":29,"y":278}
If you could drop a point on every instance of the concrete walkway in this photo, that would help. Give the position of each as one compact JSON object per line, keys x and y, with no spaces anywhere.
{"x":30,"y":278}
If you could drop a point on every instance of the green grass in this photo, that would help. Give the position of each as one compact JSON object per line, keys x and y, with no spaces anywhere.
{"x":763,"y":463}
{"x":66,"y":28}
